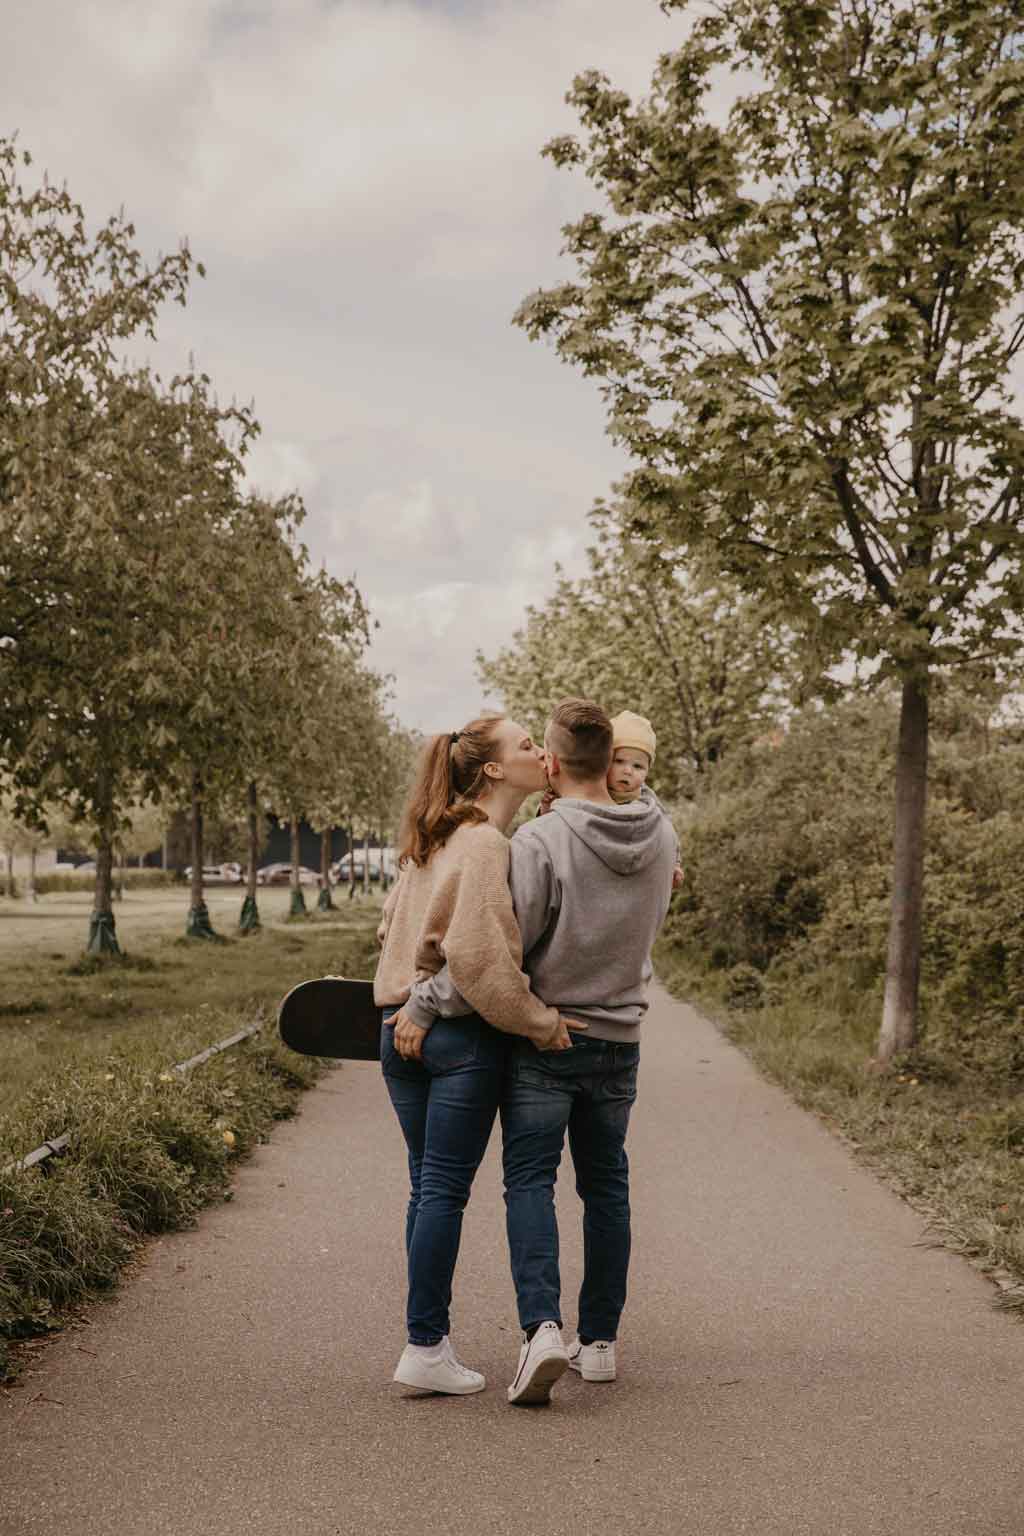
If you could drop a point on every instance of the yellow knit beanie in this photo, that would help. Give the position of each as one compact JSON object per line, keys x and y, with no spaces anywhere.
{"x":633,"y":731}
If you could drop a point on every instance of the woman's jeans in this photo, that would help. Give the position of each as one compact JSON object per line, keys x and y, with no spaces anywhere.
{"x":446,"y":1106}
{"x":589,"y":1091}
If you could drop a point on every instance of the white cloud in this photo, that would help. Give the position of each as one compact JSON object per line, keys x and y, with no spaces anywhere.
{"x":363,"y":181}
{"x":274,"y":467}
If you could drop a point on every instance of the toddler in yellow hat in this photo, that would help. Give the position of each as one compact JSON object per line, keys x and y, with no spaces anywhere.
{"x":633,"y":747}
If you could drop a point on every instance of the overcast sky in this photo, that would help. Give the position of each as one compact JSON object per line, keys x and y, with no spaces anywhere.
{"x":363,"y":182}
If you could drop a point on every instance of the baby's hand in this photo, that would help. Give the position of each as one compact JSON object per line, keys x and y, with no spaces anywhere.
{"x":677,"y":877}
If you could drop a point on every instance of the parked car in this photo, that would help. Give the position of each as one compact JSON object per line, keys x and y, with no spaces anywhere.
{"x":281,"y":874}
{"x":340,"y":868}
{"x":218,"y":874}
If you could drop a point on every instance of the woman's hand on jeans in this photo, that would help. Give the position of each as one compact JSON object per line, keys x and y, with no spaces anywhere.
{"x":409,"y":1037}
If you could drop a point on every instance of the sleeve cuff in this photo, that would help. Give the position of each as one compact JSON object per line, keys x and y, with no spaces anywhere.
{"x":416,"y":1013}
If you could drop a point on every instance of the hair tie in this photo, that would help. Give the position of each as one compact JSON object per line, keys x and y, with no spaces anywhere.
{"x":455,"y":737}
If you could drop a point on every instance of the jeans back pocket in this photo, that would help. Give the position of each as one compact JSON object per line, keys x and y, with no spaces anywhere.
{"x":451,"y":1043}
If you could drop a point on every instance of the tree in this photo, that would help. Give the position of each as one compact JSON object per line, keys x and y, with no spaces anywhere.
{"x":319,"y":671}
{"x":115,"y":687}
{"x":267,"y":643}
{"x":348,"y":721}
{"x":68,"y":298}
{"x":397,"y":763}
{"x":705,"y":663}
{"x":804,"y":321}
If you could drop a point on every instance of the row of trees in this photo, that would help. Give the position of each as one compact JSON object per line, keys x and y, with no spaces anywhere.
{"x":164,"y":637}
{"x":709,"y":664}
{"x":804,"y":317}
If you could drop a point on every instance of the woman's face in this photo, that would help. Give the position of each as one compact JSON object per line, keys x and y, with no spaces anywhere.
{"x":522,"y":761}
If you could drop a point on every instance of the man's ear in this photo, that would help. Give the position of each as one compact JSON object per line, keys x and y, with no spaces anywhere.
{"x":556,"y":764}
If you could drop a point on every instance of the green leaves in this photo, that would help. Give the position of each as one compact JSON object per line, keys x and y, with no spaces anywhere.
{"x":705,"y":664}
{"x":154,"y":618}
{"x":823,"y":286}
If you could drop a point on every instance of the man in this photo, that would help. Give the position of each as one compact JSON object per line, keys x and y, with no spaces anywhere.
{"x":591,"y":884}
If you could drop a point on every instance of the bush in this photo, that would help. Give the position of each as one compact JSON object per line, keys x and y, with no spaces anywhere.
{"x":788,"y":856}
{"x":148,"y":1148}
{"x":744,"y":987}
{"x":134,"y":879}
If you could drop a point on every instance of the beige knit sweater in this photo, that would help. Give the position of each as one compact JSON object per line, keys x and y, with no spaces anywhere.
{"x":458,"y":908}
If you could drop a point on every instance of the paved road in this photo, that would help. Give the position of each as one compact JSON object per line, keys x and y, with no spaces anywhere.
{"x":792,"y":1361}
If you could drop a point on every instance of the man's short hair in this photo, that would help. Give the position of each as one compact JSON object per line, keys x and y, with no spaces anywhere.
{"x":580,"y":735}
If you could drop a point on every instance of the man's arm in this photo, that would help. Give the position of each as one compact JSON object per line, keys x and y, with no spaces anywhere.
{"x":435,"y":997}
{"x":535,"y":895}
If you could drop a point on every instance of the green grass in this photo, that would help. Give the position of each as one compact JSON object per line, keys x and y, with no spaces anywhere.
{"x":56,"y":1011}
{"x":85,"y":1048}
{"x":950,"y":1141}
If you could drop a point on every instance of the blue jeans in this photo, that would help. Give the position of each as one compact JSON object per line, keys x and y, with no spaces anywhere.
{"x":590,"y":1091}
{"x":446,"y":1106}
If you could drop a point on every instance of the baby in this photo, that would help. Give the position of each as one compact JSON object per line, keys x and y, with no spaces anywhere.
{"x":633,"y":747}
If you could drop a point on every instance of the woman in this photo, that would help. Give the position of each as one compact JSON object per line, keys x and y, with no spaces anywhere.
{"x":452,"y":904}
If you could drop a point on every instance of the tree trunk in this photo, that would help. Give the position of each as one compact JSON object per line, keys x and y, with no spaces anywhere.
{"x":366,"y":863}
{"x":10,"y":872}
{"x":249,"y":922}
{"x":351,"y":861}
{"x":903,"y":971}
{"x":383,"y":862}
{"x":30,"y":889}
{"x":298,"y":902}
{"x":324,"y":902}
{"x":102,"y":932}
{"x":176,"y":841}
{"x":198,"y":925}
{"x":119,"y":888}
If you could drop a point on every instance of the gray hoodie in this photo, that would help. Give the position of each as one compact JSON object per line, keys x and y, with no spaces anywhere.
{"x":590,"y":885}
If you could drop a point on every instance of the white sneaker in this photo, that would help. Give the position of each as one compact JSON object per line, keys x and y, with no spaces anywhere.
{"x":542,"y":1360}
{"x":435,"y":1368}
{"x":594,"y":1362}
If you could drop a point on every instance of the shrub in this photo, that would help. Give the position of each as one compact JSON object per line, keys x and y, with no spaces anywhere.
{"x":134,"y":879}
{"x":788,"y":857}
{"x":148,"y":1148}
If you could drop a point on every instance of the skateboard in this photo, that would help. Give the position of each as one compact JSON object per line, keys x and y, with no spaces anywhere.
{"x":331,"y":1017}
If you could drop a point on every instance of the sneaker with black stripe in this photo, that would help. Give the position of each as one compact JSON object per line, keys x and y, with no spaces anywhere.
{"x":542,"y":1360}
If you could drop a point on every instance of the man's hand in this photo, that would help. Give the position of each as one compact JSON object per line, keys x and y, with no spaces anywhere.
{"x":409,"y":1037}
{"x":563,"y":1040}
{"x":677,"y":877}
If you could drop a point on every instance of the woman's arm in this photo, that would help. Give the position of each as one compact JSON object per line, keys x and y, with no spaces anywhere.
{"x":385,"y":916}
{"x":484,"y":951}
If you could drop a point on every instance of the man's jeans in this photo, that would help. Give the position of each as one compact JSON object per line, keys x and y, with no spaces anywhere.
{"x":588,"y":1090}
{"x":446,"y":1107}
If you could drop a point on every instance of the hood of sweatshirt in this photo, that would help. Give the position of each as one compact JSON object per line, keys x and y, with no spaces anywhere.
{"x":624,"y":837}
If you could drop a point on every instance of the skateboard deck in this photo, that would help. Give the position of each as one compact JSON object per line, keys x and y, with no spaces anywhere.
{"x":331,"y":1017}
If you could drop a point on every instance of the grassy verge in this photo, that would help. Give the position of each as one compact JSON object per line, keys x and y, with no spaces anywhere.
{"x":86,"y":1049}
{"x":948,"y":1140}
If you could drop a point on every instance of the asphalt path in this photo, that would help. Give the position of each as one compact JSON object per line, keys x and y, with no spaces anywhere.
{"x":793,"y":1358}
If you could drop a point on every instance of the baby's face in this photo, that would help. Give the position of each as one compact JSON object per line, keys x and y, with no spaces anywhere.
{"x":628,"y":771}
